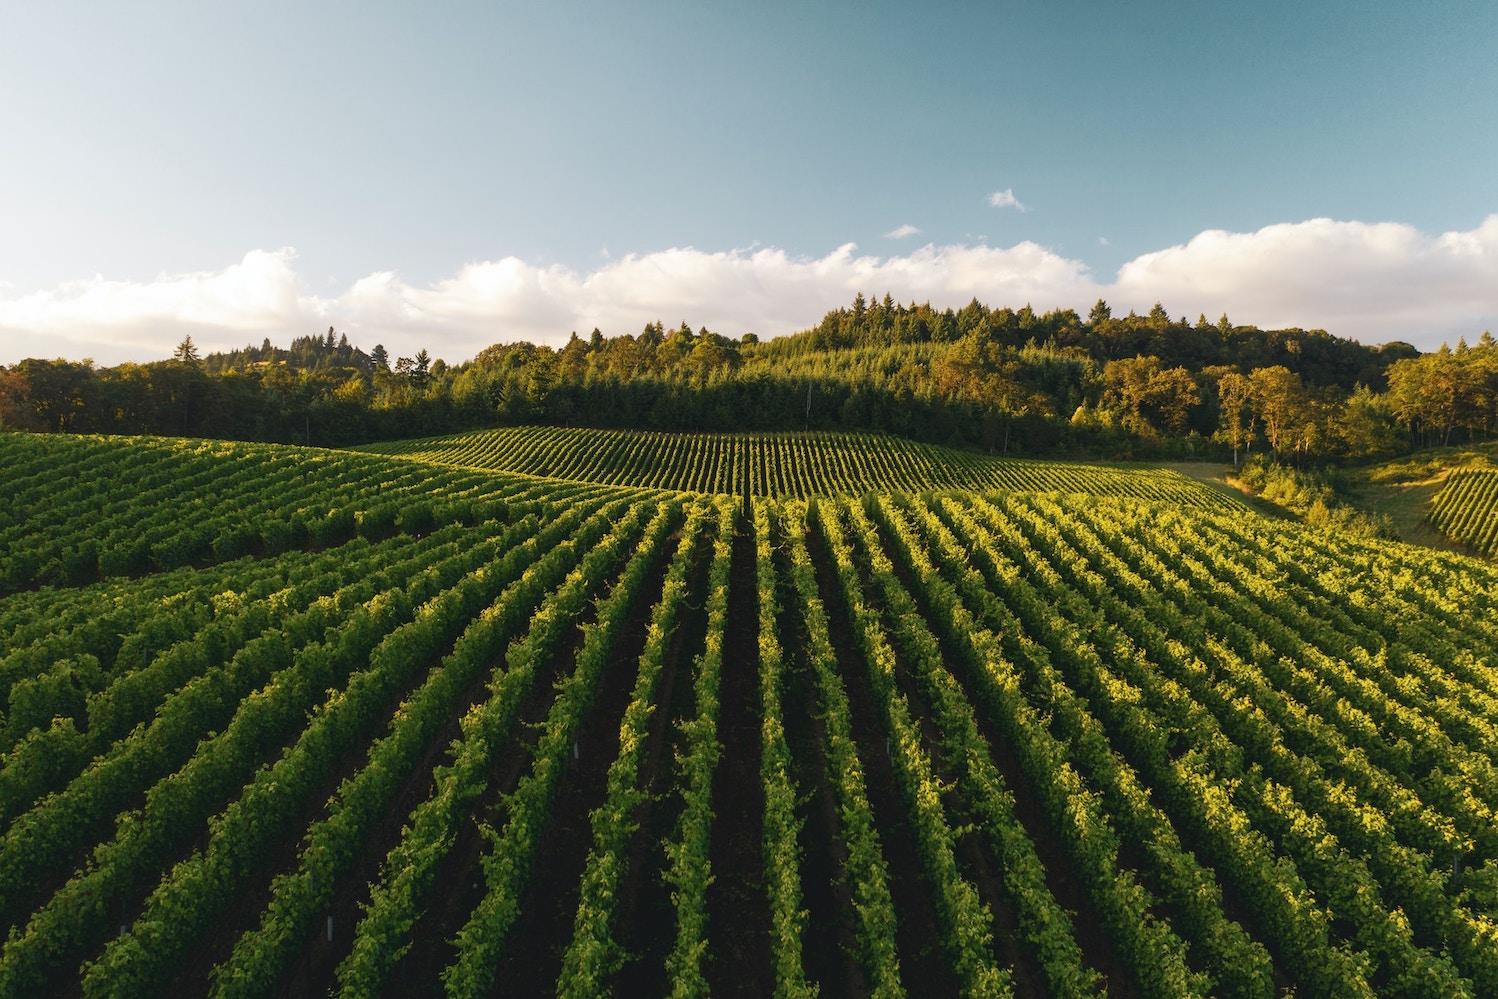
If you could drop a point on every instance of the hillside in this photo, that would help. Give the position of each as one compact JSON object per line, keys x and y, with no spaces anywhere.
{"x":1435,"y":497}
{"x":1466,"y":508}
{"x":1053,"y":385}
{"x":82,"y":508}
{"x":781,"y":465}
{"x":321,"y":720}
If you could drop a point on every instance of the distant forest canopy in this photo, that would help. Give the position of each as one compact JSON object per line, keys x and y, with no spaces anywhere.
{"x":1000,"y":379}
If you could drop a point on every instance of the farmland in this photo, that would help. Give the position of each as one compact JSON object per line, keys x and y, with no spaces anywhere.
{"x":779,"y":465}
{"x":1466,"y":508}
{"x":543,"y":711}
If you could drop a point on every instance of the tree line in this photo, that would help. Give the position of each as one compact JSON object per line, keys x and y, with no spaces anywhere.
{"x":999,"y":379}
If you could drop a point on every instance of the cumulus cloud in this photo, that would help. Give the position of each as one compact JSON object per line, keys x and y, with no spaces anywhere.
{"x":258,"y":295}
{"x":902,"y":232}
{"x":768,"y":291}
{"x":1371,"y":281}
{"x":1006,"y":199}
{"x":481,"y":303}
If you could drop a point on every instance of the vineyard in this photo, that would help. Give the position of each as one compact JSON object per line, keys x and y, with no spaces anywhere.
{"x":171,"y":503}
{"x":289,"y":721}
{"x":780,"y":465}
{"x":1466,"y":508}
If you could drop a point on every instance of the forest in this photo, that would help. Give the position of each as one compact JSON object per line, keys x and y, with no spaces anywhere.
{"x":1003,"y":380}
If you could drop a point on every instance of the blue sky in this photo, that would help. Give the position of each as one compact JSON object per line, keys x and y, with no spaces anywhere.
{"x":456,"y":174}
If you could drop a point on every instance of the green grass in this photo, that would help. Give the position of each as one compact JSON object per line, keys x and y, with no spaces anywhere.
{"x":1404,"y":489}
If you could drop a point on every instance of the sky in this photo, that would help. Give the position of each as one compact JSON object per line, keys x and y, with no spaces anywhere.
{"x":451,"y":175}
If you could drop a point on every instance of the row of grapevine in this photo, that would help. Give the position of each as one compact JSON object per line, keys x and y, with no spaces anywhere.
{"x":408,"y":874}
{"x":1076,"y":808}
{"x":594,"y":953}
{"x":1008,"y":655}
{"x":779,"y":465}
{"x":1211,"y":822}
{"x":46,"y":759}
{"x":1458,"y":776}
{"x":987,"y":800}
{"x":332,"y":844}
{"x":219,"y":764}
{"x":966,"y":920}
{"x":180,"y":503}
{"x":690,"y":870}
{"x":1301,"y":746}
{"x":1466,"y":508}
{"x":781,"y":854}
{"x":243,"y":835}
{"x":1167,"y":703}
{"x":1021,"y":741}
{"x":506,"y":866}
{"x":40,"y":842}
{"x":91,"y":638}
{"x":864,"y":864}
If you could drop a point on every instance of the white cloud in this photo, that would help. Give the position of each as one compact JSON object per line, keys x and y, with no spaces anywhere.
{"x":1102,"y":241}
{"x":110,"y":320}
{"x":1006,"y":199}
{"x":1370,"y":281}
{"x":902,"y":231}
{"x":768,"y":291}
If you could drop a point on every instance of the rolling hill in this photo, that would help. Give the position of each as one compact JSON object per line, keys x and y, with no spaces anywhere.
{"x":281,"y":720}
{"x":781,"y":465}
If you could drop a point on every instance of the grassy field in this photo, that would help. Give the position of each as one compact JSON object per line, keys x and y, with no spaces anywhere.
{"x":1407,"y":491}
{"x":288,"y":721}
{"x":1411,"y":493}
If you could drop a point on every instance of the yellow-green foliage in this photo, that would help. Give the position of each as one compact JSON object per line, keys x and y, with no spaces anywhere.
{"x":790,"y":464}
{"x":1466,"y":508}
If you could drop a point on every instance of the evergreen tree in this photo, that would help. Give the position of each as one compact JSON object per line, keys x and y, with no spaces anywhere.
{"x":186,"y":352}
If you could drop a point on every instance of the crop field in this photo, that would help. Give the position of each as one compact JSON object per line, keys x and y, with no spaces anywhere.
{"x":1466,"y":508}
{"x":84,"y":508}
{"x":286,"y":721}
{"x":781,"y":464}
